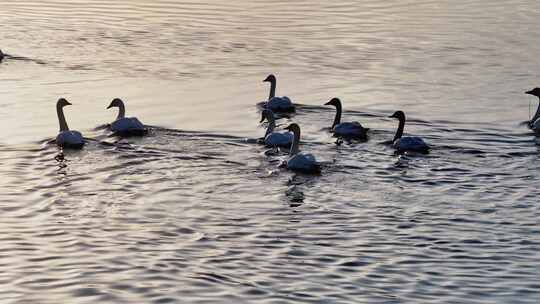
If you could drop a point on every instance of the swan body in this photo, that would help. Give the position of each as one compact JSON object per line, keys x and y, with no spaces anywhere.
{"x":534,"y":124}
{"x":125,"y":125}
{"x":407,"y":144}
{"x":279,"y":139}
{"x":273,"y":138}
{"x":70,"y":139}
{"x":298,"y":161}
{"x":274,"y":103}
{"x":346,"y":129}
{"x":280,"y":104}
{"x":350,"y":129}
{"x":67,"y":138}
{"x":303,"y":162}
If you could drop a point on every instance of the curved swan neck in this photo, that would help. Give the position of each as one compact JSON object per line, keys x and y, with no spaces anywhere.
{"x":295,"y":147}
{"x":537,"y":114}
{"x":399,"y":132}
{"x":121,"y":111}
{"x":337,"y":119}
{"x":61,"y":118}
{"x":271,"y":124}
{"x":272,"y":89}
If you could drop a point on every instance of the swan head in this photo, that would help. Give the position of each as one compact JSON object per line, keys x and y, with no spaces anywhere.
{"x":62,"y":102}
{"x":267,"y":114}
{"x":1,"y":55}
{"x":398,"y":114}
{"x":270,"y":78}
{"x":534,"y":92}
{"x":117,"y":102}
{"x":333,"y":102}
{"x":293,"y":128}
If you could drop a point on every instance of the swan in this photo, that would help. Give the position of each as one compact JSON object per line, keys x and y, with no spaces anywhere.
{"x":1,"y":56}
{"x":275,"y":139}
{"x":346,"y":129}
{"x":299,"y":161}
{"x":534,"y":124}
{"x":125,"y":125}
{"x":407,"y":144}
{"x":66,"y":138}
{"x":277,"y":104}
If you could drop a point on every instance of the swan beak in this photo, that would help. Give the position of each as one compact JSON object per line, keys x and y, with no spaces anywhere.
{"x":110,"y":106}
{"x":328,"y":103}
{"x":529,"y":92}
{"x":68,"y":103}
{"x":392,"y":116}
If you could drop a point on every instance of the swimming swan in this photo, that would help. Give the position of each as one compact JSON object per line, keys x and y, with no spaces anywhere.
{"x":299,"y":161}
{"x":277,"y":104}
{"x":125,"y":125}
{"x":534,"y":124}
{"x":275,"y":139}
{"x":346,"y":129}
{"x":407,"y":144}
{"x":66,"y":138}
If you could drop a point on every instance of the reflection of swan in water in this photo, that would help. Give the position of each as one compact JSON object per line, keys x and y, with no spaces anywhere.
{"x":346,"y":129}
{"x":407,"y":144}
{"x":275,"y":139}
{"x":274,"y":103}
{"x":534,"y":123}
{"x":298,"y":161}
{"x":125,"y":125}
{"x":66,"y":138}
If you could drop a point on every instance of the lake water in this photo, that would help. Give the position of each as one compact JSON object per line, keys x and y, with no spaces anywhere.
{"x":196,"y":212}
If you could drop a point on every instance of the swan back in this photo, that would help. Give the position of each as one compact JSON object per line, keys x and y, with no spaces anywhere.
{"x":411,"y":144}
{"x":276,"y":139}
{"x":303,"y":162}
{"x":280,"y":104}
{"x":70,"y":139}
{"x":128,"y":126}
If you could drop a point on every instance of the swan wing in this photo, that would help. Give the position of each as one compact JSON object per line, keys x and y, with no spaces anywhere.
{"x":279,"y":139}
{"x":304,"y":163}
{"x":70,"y":138}
{"x":415,"y":144}
{"x":280,"y":104}
{"x":127,"y":124}
{"x":350,"y":129}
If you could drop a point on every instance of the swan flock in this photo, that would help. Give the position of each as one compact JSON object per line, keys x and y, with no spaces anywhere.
{"x":289,"y":138}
